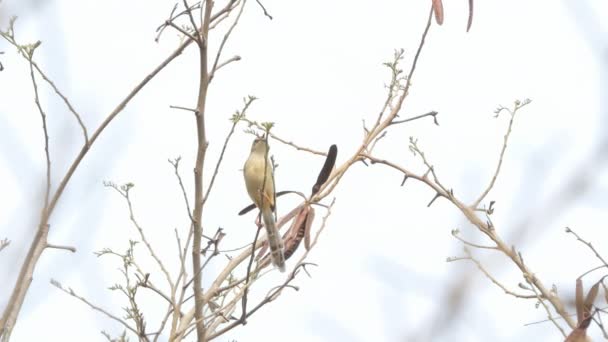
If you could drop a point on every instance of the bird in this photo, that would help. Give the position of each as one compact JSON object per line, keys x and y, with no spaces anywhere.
{"x":259,"y":180}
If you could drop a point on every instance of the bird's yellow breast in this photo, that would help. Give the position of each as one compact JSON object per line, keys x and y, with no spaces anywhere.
{"x":257,"y":174}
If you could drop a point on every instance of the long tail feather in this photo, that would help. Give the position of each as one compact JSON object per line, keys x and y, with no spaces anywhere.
{"x":275,"y":241}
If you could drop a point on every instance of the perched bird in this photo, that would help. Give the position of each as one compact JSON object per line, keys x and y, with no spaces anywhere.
{"x":259,"y":180}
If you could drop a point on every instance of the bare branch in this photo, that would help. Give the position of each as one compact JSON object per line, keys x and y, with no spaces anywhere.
{"x":92,"y":306}
{"x":512,"y":113}
{"x":67,"y":248}
{"x":198,"y":171}
{"x":223,"y":43}
{"x":588,"y":244}
{"x":235,"y":120}
{"x":124,"y":191}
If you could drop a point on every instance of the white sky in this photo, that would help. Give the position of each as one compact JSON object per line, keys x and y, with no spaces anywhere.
{"x":317,"y":69}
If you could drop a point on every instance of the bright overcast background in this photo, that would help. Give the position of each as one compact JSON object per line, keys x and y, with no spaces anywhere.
{"x":317,"y":69}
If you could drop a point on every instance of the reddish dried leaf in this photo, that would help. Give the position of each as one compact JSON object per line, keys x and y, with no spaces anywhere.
{"x":299,"y":225}
{"x":580,"y":305}
{"x":309,"y":219}
{"x":577,"y":335}
{"x":438,"y":10}
{"x":590,"y":299}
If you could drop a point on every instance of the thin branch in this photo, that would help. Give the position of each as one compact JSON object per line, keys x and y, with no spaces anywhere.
{"x":47,"y":191}
{"x":512,"y":113}
{"x":269,"y":298}
{"x":182,"y":31}
{"x":94,"y":307}
{"x":224,"y":40}
{"x":264,"y":9}
{"x":413,"y":118}
{"x":192,"y":22}
{"x":337,"y":175}
{"x":26,"y":53}
{"x":67,"y":248}
{"x":467,"y":243}
{"x":228,"y":61}
{"x":183,"y":108}
{"x":542,"y":302}
{"x":163,"y":323}
{"x":235,"y":121}
{"x":124,"y":191}
{"x":281,"y":140}
{"x":588,"y":244}
{"x":485,"y":228}
{"x":243,"y":318}
{"x":175,"y":164}
{"x":492,"y":279}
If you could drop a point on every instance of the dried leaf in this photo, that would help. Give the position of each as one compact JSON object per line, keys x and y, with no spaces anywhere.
{"x":330,"y":161}
{"x":438,"y":10}
{"x":591,"y":296}
{"x":299,"y":225}
{"x":470,"y":22}
{"x":579,"y":301}
{"x":577,"y":335}
{"x":309,"y":219}
{"x":588,"y":306}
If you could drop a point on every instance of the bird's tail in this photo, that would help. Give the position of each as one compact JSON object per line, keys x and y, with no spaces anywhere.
{"x":275,"y":241}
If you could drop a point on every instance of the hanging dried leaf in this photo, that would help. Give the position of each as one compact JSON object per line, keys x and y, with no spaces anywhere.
{"x":577,"y":335}
{"x":438,"y":10}
{"x":588,"y":305}
{"x":330,"y":161}
{"x":470,"y":22}
{"x":298,"y":227}
{"x":309,"y":219}
{"x":579,"y":301}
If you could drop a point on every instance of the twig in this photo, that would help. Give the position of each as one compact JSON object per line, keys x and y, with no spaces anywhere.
{"x":198,"y":38}
{"x":235,"y":121}
{"x":175,"y":163}
{"x":94,"y":307}
{"x":542,"y":302}
{"x":484,"y":227}
{"x":228,"y":61}
{"x":512,"y":113}
{"x":47,"y":191}
{"x":26,"y":52}
{"x":243,"y":318}
{"x":183,"y":108}
{"x":264,"y":9}
{"x":431,"y":113}
{"x":337,"y":175}
{"x":270,"y":297}
{"x":492,"y":279}
{"x":223,"y":43}
{"x":281,"y":140}
{"x":182,"y":31}
{"x":467,"y":243}
{"x":124,"y":191}
{"x":588,"y":244}
{"x":67,"y":248}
